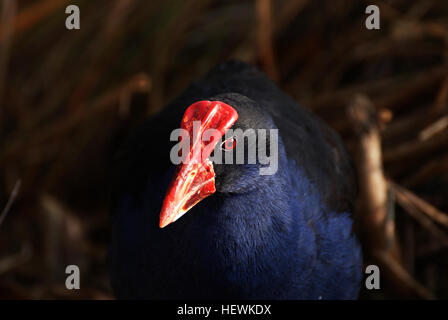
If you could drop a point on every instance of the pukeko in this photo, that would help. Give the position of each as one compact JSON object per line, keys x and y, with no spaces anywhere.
{"x":242,"y":234}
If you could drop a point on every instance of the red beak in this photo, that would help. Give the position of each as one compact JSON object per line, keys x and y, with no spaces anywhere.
{"x":194,"y":179}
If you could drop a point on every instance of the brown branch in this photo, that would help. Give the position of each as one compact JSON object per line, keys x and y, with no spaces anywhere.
{"x":415,"y":148}
{"x":400,"y":276}
{"x":405,"y":88}
{"x":422,"y":211}
{"x":428,"y":170}
{"x":12,"y":197}
{"x":287,"y":14}
{"x":30,"y":16}
{"x":9,"y":9}
{"x":441,"y":98}
{"x":264,"y":37}
{"x":377,"y":225}
{"x":17,"y":259}
{"x":434,"y":128}
{"x":138,"y":83}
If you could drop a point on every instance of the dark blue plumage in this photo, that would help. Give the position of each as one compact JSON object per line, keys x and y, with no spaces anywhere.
{"x":285,"y":236}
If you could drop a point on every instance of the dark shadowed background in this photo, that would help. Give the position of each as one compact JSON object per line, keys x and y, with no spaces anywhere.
{"x":68,"y":97}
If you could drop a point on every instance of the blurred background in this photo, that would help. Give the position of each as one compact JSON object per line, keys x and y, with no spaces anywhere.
{"x":69,"y":97}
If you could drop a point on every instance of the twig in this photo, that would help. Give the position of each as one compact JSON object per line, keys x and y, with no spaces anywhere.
{"x":264,"y":37}
{"x":409,"y":239}
{"x":9,"y":9}
{"x":428,"y":170}
{"x":405,"y":126}
{"x":423,"y":220}
{"x":415,"y":148}
{"x":434,"y":128}
{"x":401,"y":276}
{"x":441,"y":98}
{"x":287,"y":13}
{"x":31,"y":15}
{"x":418,"y":208}
{"x":406,"y":87}
{"x":11,"y":262}
{"x":428,"y":248}
{"x":105,"y":40}
{"x":11,"y":199}
{"x":138,"y":83}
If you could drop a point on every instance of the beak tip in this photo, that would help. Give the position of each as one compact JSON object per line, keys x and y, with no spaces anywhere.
{"x":163,"y":223}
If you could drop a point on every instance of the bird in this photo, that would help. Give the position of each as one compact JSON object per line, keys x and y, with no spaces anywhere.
{"x":210,"y":230}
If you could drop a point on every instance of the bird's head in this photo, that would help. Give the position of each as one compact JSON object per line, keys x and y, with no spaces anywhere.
{"x":227,"y":144}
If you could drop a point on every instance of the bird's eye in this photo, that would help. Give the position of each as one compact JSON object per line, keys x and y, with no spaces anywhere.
{"x":229,"y":144}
